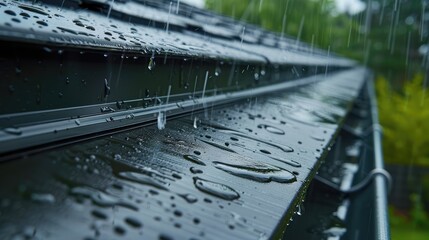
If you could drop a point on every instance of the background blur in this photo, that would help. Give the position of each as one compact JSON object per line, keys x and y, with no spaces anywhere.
{"x":391,"y":38}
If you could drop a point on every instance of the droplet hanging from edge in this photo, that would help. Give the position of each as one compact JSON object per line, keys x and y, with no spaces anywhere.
{"x":195,"y":122}
{"x":162,"y":120}
{"x":106,"y":88}
{"x":151,"y":64}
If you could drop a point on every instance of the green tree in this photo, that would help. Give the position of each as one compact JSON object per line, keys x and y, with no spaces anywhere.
{"x":309,"y":21}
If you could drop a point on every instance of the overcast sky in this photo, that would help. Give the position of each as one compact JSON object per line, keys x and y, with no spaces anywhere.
{"x":350,"y":6}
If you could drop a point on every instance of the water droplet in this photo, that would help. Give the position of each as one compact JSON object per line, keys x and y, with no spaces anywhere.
{"x":271,"y":129}
{"x":42,"y":23}
{"x":264,"y":151}
{"x":25,"y":15}
{"x":14,"y":131}
{"x":256,"y":76}
{"x":151,"y":64}
{"x":106,"y":88}
{"x":119,"y":230}
{"x":177,"y":176}
{"x":195,"y":123}
{"x":133,"y":222}
{"x":99,"y":214}
{"x":177,"y":213}
{"x":217,"y":71}
{"x":164,"y":236}
{"x":189,"y":198}
{"x":117,"y":157}
{"x":106,"y":109}
{"x":299,"y":211}
{"x":100,"y":198}
{"x":43,"y":197}
{"x":195,"y":170}
{"x":194,"y":159}
{"x":161,"y":120}
{"x":216,"y":189}
{"x":260,"y":173}
{"x":33,"y":9}
{"x":143,"y":179}
{"x":10,"y":12}
{"x":318,"y":138}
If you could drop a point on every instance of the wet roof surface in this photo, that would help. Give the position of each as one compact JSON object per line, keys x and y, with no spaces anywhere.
{"x":236,"y":171}
{"x":265,"y":116}
{"x":152,"y":26}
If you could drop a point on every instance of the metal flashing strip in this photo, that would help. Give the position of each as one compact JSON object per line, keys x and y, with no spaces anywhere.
{"x":38,"y":133}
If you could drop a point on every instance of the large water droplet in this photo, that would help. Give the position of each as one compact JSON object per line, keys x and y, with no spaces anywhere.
{"x":14,"y":131}
{"x":215,"y":189}
{"x":271,"y":129}
{"x":33,"y":9}
{"x":260,"y":173}
{"x":10,"y":12}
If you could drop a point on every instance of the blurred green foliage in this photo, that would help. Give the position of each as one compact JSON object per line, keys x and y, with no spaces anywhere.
{"x":418,"y":214}
{"x":407,"y":225}
{"x":405,"y":119}
{"x":307,"y":20}
{"x":413,"y":224}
